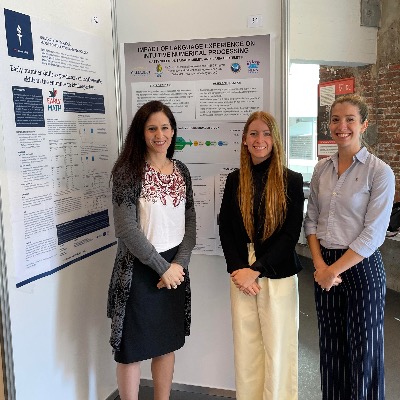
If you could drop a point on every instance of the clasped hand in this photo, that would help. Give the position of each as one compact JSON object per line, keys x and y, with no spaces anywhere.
{"x":245,"y":280}
{"x":172,"y":277}
{"x":326,"y":278}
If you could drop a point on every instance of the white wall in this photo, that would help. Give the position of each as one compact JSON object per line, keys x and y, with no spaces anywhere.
{"x":329,"y":32}
{"x":59,"y":328}
{"x":321,"y":31}
{"x":161,"y":20}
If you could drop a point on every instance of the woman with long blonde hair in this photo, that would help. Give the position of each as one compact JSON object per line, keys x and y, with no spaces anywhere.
{"x":260,"y":222}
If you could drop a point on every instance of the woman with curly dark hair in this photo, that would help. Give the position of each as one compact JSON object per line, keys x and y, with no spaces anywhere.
{"x":155,"y":223}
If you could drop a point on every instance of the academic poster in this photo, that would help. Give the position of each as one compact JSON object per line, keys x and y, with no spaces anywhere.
{"x":211,"y":86}
{"x":57,"y":144}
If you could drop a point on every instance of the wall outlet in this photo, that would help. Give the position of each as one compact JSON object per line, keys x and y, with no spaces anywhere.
{"x":254,"y":21}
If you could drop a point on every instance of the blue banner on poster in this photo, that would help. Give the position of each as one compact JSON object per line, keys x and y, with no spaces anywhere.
{"x":28,"y":107}
{"x":79,"y":227}
{"x":83,"y":103}
{"x":19,"y":35}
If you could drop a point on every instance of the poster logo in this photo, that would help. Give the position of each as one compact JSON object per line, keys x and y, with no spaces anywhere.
{"x":235,"y":67}
{"x":252,"y":66}
{"x":53,"y":103}
{"x":19,"y":35}
{"x":159,"y":71}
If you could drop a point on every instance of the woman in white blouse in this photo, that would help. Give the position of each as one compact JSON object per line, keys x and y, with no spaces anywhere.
{"x":155,"y":223}
{"x":349,"y":206}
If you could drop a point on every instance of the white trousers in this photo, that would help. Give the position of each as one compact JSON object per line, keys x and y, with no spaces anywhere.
{"x":265,"y":335}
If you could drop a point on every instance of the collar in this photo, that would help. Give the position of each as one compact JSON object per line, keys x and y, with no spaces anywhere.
{"x":360,"y":156}
{"x":263,"y":166}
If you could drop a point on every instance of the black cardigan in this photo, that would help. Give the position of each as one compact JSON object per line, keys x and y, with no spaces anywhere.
{"x":276,"y":256}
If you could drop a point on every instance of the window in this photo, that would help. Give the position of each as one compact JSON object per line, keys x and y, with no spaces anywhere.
{"x":303,"y":109}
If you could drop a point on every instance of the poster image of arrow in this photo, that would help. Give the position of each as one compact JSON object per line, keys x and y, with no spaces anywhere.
{"x":181,"y":143}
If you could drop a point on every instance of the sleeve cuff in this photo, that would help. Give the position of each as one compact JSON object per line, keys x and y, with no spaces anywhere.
{"x":268,"y":269}
{"x":361,"y":249}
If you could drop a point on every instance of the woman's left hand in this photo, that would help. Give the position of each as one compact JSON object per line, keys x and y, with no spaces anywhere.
{"x":252,"y":290}
{"x":173,"y":277}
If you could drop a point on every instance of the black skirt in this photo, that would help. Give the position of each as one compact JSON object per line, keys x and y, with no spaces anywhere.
{"x":154,"y":321}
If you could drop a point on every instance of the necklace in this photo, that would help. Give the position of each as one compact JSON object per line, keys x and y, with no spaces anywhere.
{"x":159,"y":169}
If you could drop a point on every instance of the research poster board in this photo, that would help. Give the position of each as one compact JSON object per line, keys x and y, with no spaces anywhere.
{"x":211,"y":86}
{"x":327,"y":93}
{"x":57,"y":143}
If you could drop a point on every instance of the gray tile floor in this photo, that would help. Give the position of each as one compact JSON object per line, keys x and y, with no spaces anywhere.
{"x":308,"y":348}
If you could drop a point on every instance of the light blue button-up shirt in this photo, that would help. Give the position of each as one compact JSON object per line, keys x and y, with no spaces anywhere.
{"x":353,"y":210}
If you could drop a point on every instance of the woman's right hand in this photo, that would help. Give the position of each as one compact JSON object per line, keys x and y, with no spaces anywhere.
{"x":326,"y":278}
{"x":245,"y":280}
{"x":172,"y":277}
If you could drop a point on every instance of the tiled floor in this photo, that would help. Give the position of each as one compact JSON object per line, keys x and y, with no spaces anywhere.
{"x":308,"y":349}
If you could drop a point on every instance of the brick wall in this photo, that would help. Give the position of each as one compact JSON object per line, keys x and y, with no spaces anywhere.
{"x":380,"y":86}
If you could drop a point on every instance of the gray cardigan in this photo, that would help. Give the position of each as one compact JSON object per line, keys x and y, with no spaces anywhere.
{"x":132,"y":244}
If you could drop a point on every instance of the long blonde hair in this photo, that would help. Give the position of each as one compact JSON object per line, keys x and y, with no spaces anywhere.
{"x":275,"y":189}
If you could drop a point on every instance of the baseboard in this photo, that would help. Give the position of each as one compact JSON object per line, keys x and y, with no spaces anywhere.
{"x":180,"y":387}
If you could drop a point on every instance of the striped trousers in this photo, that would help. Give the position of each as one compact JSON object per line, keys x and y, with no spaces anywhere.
{"x":350,"y":322}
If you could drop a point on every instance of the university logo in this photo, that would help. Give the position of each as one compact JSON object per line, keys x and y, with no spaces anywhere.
{"x":252,"y":66}
{"x":159,"y":70}
{"x":18,"y":34}
{"x":235,"y":67}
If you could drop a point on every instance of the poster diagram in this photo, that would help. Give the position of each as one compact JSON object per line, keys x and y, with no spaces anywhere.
{"x":211,"y":86}
{"x":57,"y":144}
{"x":212,"y":142}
